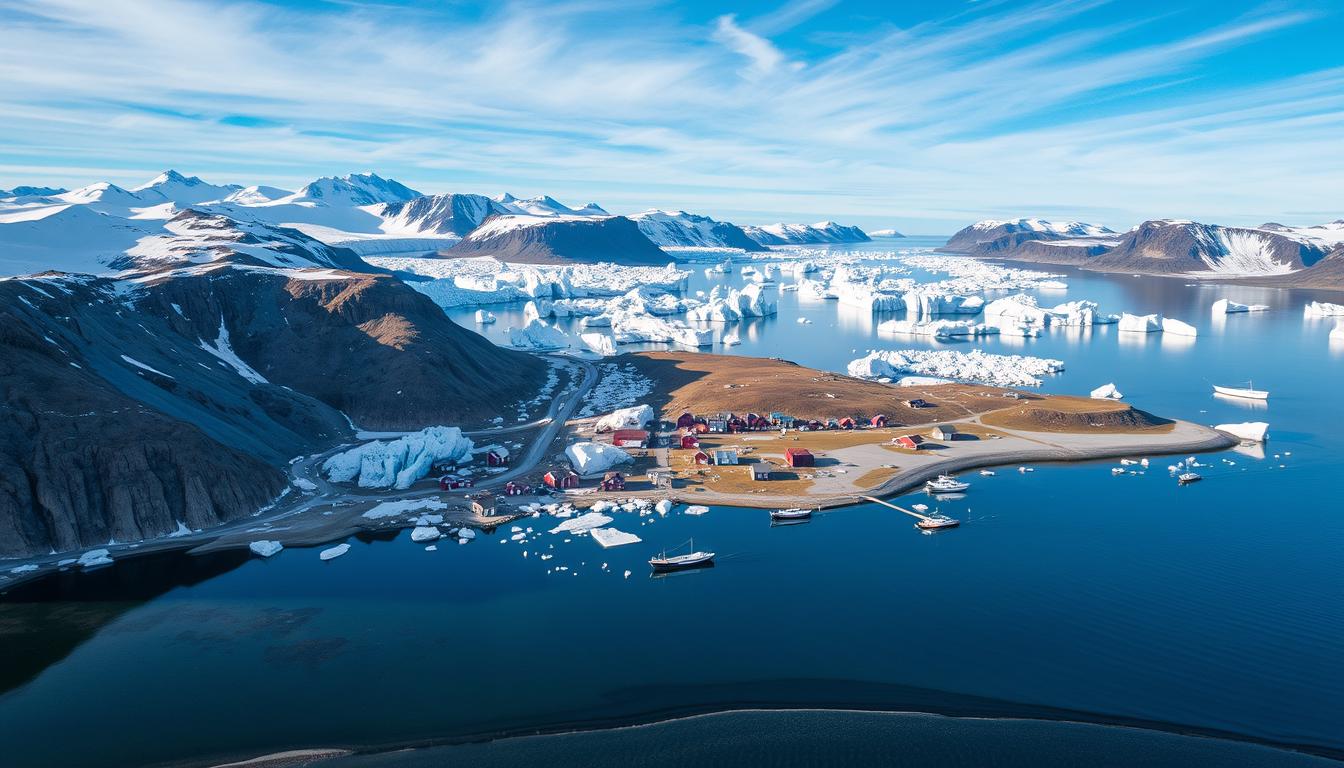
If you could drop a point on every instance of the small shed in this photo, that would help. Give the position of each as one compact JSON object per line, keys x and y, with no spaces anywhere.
{"x":689,"y":440}
{"x":483,"y":503}
{"x":913,"y":442}
{"x":612,"y":481}
{"x":630,"y":438}
{"x":685,"y":421}
{"x":944,"y":432}
{"x":879,"y":421}
{"x":701,"y":457}
{"x":799,"y":457}
{"x":725,"y":456}
{"x":560,"y":479}
{"x":760,"y":470}
{"x":497,"y":457}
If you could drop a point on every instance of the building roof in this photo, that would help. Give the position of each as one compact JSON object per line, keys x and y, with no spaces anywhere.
{"x":797,"y":452}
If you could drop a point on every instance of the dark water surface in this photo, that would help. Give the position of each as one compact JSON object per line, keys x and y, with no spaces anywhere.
{"x":1067,"y":594}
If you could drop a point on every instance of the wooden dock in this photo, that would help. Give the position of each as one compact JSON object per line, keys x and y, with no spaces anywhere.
{"x":940,"y":522}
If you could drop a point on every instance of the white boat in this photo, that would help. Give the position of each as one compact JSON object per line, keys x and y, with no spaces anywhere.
{"x":937,"y":523}
{"x":794,"y":513}
{"x":695,"y":559}
{"x":946,"y":484}
{"x":1188,"y":478}
{"x":1246,"y":392}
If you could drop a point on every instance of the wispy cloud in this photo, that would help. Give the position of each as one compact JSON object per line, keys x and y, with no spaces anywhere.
{"x":922,"y":124}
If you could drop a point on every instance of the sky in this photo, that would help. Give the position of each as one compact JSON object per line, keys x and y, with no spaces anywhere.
{"x":923,"y":116}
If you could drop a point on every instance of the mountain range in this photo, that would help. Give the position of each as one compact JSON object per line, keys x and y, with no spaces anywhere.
{"x":1270,"y":254}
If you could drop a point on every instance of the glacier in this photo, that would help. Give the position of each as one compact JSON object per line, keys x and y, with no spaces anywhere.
{"x":401,"y":462}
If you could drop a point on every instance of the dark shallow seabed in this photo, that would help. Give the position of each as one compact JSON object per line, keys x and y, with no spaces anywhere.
{"x":1067,"y":595}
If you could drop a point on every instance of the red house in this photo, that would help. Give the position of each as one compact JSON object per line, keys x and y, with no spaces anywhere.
{"x":879,"y":421}
{"x":689,"y":441}
{"x":701,"y":457}
{"x":630,"y":438}
{"x":453,"y":482}
{"x":497,"y":457}
{"x":612,"y":481}
{"x":799,"y":457}
{"x":685,"y":421}
{"x":913,"y":442}
{"x":561,"y":479}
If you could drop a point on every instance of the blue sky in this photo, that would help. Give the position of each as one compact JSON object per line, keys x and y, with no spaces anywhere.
{"x":922,"y":116}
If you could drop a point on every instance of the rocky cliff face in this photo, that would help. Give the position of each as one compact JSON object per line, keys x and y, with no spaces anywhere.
{"x":560,"y":240}
{"x":131,"y":408}
{"x":439,"y":214}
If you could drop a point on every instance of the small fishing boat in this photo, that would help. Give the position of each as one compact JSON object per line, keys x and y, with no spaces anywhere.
{"x":794,"y":513}
{"x":1248,"y":392}
{"x":937,"y":523}
{"x":946,"y":484}
{"x":695,"y":559}
{"x":1186,"y":478}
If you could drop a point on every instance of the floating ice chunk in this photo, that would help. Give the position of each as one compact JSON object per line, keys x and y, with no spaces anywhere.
{"x":1323,"y":309}
{"x":304,"y":484}
{"x":425,"y":533}
{"x":610,"y":537}
{"x":590,"y":458}
{"x":627,"y":574}
{"x":265,"y":548}
{"x":583,"y":522}
{"x":1140,"y":323}
{"x":663,"y":506}
{"x":465,"y":534}
{"x":1178,"y":328}
{"x":730,"y":340}
{"x":1252,"y":431}
{"x":538,"y":336}
{"x":599,"y":343}
{"x":429,"y":520}
{"x":1107,"y":392}
{"x":27,"y":568}
{"x":1337,"y":334}
{"x":974,"y":366}
{"x":334,"y":552}
{"x":1226,"y":307}
{"x":484,"y":318}
{"x":94,"y":558}
{"x":696,"y":509}
{"x":804,"y":321}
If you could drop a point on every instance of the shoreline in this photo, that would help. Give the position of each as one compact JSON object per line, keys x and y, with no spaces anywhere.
{"x":1014,"y":713}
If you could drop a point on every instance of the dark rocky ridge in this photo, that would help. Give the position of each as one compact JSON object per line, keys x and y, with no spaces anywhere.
{"x":566,"y":240}
{"x":444,"y":214}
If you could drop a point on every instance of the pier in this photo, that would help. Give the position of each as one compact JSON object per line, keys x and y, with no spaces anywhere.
{"x":926,"y":522}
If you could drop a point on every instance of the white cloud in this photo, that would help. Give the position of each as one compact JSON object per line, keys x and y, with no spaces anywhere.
{"x":762,"y":54}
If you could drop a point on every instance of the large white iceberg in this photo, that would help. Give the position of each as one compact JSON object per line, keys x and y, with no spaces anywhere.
{"x":925,"y":302}
{"x":1107,"y":392}
{"x":484,"y":318}
{"x":422,"y":533}
{"x":1323,"y":309}
{"x":1140,"y":323}
{"x":937,"y":328}
{"x":974,"y":366}
{"x":599,"y":343}
{"x":538,"y":336}
{"x":1226,"y":307}
{"x":634,"y":417}
{"x":593,"y":458}
{"x":631,"y":328}
{"x":1178,"y":328}
{"x":400,"y":462}
{"x":1252,"y":431}
{"x":610,"y":537}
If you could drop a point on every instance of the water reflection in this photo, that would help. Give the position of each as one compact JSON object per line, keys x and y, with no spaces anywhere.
{"x":1242,"y":402}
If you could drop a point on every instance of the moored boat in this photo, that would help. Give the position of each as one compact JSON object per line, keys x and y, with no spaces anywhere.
{"x":695,"y":559}
{"x":946,"y":484}
{"x":937,"y":523}
{"x":794,"y":513}
{"x":1247,"y":392}
{"x":1186,"y":478}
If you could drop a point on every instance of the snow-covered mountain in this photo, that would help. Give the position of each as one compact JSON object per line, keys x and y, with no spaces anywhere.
{"x":679,"y":229}
{"x":438,"y":214}
{"x":257,"y":194}
{"x":806,"y":234}
{"x":885,"y":233}
{"x":560,"y":239}
{"x":357,"y":189}
{"x":31,"y":191}
{"x":1163,"y":246}
{"x":545,"y":205}
{"x":172,"y":187}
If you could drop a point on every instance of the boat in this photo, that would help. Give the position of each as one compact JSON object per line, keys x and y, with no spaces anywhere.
{"x":695,"y":559}
{"x":946,"y":484}
{"x":1186,"y":478}
{"x":937,"y":523}
{"x":1248,"y":392}
{"x":794,"y":513}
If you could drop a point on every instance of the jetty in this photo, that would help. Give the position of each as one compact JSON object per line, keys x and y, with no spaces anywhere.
{"x":926,"y":522}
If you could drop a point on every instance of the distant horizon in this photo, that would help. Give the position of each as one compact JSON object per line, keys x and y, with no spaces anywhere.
{"x":920,"y":117}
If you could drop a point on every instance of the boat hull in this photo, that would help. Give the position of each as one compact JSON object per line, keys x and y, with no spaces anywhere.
{"x":1246,"y":394}
{"x":663,"y":566}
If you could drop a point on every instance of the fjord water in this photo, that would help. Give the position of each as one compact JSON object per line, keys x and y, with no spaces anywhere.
{"x":1068,"y":593}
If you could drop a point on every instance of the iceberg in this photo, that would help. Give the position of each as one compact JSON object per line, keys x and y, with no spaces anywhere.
{"x":937,"y":328}
{"x":584,"y":522}
{"x":1226,"y":307}
{"x":696,"y":510}
{"x":590,"y":458}
{"x":425,"y":533}
{"x":599,"y":343}
{"x":401,"y":462}
{"x":538,"y":336}
{"x":1107,"y":392}
{"x":663,"y":506}
{"x":265,"y":548}
{"x":1178,"y":328}
{"x":1250,"y":431}
{"x":1323,"y":309}
{"x":484,"y":318}
{"x":610,"y":537}
{"x":975,"y":366}
{"x":333,"y":552}
{"x":1140,"y":323}
{"x":634,"y":417}
{"x":730,"y":340}
{"x":466,"y":534}
{"x":1337,"y":333}
{"x":924,"y":302}
{"x":630,"y":328}
{"x":94,"y":558}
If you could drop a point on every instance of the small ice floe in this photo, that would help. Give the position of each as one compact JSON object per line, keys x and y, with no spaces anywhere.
{"x":1025,"y":470}
{"x":1143,"y":463}
{"x":94,"y":558}
{"x":484,"y":318}
{"x":987,"y":472}
{"x":265,"y":548}
{"x":28,"y":568}
{"x":515,"y":529}
{"x":663,"y":506}
{"x":1117,"y":470}
{"x":627,"y":574}
{"x":432,"y":548}
{"x":423,"y":533}
{"x":804,"y":321}
{"x":1225,"y":307}
{"x":1128,"y":462}
{"x":333,"y":552}
{"x":610,"y":537}
{"x":583,"y":522}
{"x":466,"y":534}
{"x":920,"y":507}
{"x":1107,"y":392}
{"x":518,"y":536}
{"x":696,"y":509}
{"x":730,"y":340}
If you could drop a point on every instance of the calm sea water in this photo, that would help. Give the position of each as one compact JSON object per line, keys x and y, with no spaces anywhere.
{"x":1068,"y":593}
